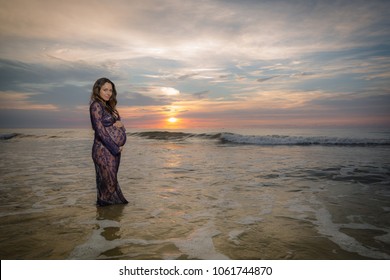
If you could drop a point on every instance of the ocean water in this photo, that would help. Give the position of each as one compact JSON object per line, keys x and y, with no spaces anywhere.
{"x":236,"y":194}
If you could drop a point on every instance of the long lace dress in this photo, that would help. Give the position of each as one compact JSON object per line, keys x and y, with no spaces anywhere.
{"x":106,"y":155}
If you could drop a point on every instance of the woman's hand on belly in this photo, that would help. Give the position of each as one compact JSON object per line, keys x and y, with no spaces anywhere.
{"x":118,"y":124}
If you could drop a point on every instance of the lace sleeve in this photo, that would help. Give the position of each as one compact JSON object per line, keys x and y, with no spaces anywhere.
{"x":96,"y":112}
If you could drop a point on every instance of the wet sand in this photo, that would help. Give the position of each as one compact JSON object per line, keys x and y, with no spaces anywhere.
{"x":193,"y":200}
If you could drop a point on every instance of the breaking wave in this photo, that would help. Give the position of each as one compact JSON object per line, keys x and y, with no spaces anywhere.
{"x":267,"y":140}
{"x":8,"y":136}
{"x":226,"y":138}
{"x":168,"y":135}
{"x":300,"y":140}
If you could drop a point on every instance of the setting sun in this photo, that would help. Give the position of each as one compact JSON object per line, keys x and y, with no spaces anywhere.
{"x":172,"y":120}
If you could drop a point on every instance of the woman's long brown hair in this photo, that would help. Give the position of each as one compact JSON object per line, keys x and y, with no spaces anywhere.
{"x":110,"y":104}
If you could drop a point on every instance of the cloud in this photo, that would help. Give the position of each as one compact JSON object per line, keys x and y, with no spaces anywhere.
{"x":16,"y":74}
{"x":22,"y":101}
{"x":313,"y":112}
{"x":260,"y":80}
{"x":201,"y":94}
{"x":259,"y":30}
{"x":137,"y":99}
{"x":236,"y":57}
{"x":169,"y":91}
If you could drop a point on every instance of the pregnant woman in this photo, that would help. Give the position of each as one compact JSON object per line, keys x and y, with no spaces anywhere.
{"x":110,"y":136}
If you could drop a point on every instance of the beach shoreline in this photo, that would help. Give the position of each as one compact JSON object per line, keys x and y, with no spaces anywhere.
{"x":194,"y":198}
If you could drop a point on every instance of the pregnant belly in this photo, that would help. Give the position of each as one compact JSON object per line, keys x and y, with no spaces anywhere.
{"x":117,"y":134}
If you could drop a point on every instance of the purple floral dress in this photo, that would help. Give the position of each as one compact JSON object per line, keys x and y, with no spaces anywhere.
{"x":106,"y":155}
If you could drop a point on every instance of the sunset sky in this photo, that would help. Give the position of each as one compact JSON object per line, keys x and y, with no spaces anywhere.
{"x":207,"y":63}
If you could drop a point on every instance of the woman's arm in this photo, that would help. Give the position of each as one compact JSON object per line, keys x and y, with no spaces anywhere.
{"x":96,"y":112}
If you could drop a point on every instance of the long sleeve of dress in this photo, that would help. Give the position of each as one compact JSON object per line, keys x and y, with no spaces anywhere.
{"x":96,"y":112}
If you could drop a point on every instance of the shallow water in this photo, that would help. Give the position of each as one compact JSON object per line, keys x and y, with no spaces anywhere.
{"x":194,"y":198}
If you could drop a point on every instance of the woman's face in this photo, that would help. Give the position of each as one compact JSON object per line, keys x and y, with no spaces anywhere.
{"x":106,"y":92}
